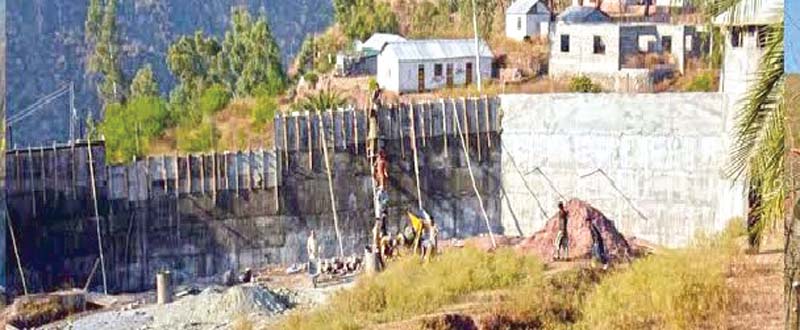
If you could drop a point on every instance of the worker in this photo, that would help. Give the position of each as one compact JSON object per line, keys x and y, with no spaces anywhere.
{"x":313,"y":257}
{"x":562,"y":238}
{"x":598,"y":248}
{"x":381,"y":201}
{"x":429,"y":242}
{"x":372,"y":131}
{"x":381,"y":171}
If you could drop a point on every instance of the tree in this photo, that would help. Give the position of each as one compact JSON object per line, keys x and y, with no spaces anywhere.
{"x":485,"y":13}
{"x":759,"y":147}
{"x":129,"y":127}
{"x":94,"y":16}
{"x":105,"y":59}
{"x":251,"y":56}
{"x":361,"y":18}
{"x":143,"y":83}
{"x":195,"y":62}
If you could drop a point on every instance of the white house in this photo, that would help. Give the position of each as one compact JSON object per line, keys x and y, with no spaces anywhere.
{"x":744,"y":31}
{"x":378,"y":40}
{"x":524,"y":19}
{"x":423,"y":65}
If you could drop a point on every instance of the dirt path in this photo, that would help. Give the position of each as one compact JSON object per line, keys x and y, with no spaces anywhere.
{"x":757,"y":285}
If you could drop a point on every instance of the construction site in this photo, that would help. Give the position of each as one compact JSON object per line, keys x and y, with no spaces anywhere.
{"x":227,"y":234}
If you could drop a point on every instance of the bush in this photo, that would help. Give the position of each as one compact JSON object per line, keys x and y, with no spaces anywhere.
{"x":264,"y":111}
{"x":311,"y":78}
{"x":582,"y":84}
{"x":212,"y":99}
{"x":703,"y":82}
{"x":373,"y":84}
{"x":408,"y":287}
{"x":197,"y":138}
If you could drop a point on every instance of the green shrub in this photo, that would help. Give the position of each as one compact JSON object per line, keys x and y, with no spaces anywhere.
{"x":409,"y":287}
{"x":197,"y":138}
{"x":264,"y":111}
{"x":311,"y":78}
{"x":373,"y":84}
{"x":703,"y":82}
{"x":583,"y":84}
{"x":212,"y":99}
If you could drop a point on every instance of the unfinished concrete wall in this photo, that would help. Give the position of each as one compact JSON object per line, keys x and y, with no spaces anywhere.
{"x":201,"y":215}
{"x":651,"y":162}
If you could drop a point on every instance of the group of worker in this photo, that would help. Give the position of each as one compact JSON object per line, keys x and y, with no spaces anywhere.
{"x":561,"y":251}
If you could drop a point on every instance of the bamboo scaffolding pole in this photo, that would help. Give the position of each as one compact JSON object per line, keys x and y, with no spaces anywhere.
{"x":474,"y":185}
{"x":444,"y":127}
{"x":413,"y":136}
{"x":16,"y":252}
{"x":97,"y":217}
{"x":330,"y":186}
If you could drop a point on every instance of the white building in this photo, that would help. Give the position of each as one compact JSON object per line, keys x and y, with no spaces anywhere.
{"x":423,"y":65}
{"x":525,"y":18}
{"x":744,"y":32}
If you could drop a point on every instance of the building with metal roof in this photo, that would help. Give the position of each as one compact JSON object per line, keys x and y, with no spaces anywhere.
{"x":525,"y":19}
{"x":582,"y":14}
{"x":423,"y":65}
{"x":378,"y":40}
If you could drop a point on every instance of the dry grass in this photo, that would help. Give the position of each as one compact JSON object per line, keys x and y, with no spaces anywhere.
{"x":409,"y":288}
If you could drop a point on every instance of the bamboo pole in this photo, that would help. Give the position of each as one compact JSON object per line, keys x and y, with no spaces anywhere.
{"x":422,"y":124}
{"x":97,"y":217}
{"x":55,"y":170}
{"x":43,"y":176}
{"x":402,"y":138}
{"x":310,"y":147}
{"x":72,"y":164}
{"x":413,"y":136}
{"x":330,"y":186}
{"x":203,"y":174}
{"x":189,"y":173}
{"x":355,"y":131}
{"x":474,"y":185}
{"x":285,"y":141}
{"x":16,"y":251}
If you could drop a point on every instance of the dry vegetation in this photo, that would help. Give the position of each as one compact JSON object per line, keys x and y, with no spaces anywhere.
{"x":690,"y":288}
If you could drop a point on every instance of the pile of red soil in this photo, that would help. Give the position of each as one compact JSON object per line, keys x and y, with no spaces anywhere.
{"x":542,"y":243}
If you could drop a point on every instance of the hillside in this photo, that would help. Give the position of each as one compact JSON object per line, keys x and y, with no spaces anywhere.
{"x":46,"y":48}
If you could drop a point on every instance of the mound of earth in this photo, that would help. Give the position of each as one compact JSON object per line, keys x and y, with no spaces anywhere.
{"x":542,"y":242}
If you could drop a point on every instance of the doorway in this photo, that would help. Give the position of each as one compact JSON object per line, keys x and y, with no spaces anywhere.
{"x":449,"y":75}
{"x":421,"y":78}
{"x":469,"y":73}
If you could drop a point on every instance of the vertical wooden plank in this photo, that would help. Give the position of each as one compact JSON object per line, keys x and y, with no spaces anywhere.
{"x":189,"y":173}
{"x":310,"y":148}
{"x":285,"y":142}
{"x":175,"y":162}
{"x":402,"y":138}
{"x":215,"y":177}
{"x":72,"y":164}
{"x":202,"y":173}
{"x":355,"y":131}
{"x":422,"y":109}
{"x":444,"y":127}
{"x":236,"y":170}
{"x":43,"y":176}
{"x":477,"y":127}
{"x":55,"y":171}
{"x":250,"y":168}
{"x":33,"y":183}
{"x":164,"y":173}
{"x":466,"y":121}
{"x":488,"y":124}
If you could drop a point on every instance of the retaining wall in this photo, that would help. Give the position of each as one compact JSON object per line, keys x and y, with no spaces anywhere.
{"x":201,"y":215}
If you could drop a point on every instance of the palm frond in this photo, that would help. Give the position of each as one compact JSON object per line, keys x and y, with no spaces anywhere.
{"x":762,"y":99}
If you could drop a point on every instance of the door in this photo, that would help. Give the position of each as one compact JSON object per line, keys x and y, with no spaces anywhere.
{"x":421,"y":78}
{"x":449,"y":75}
{"x":469,"y":73}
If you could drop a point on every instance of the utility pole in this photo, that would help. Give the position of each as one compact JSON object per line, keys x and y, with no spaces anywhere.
{"x":477,"y":44}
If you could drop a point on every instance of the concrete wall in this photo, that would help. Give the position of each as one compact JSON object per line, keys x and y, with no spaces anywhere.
{"x":740,"y":65}
{"x":665,"y":153}
{"x":581,"y":58}
{"x":204,"y":214}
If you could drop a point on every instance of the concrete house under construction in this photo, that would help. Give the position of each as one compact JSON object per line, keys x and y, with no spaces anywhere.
{"x":423,"y":65}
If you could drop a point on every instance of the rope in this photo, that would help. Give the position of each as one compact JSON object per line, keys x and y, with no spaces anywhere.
{"x":614,"y":185}
{"x":330,"y":183}
{"x":474,"y":185}
{"x":413,"y":137}
{"x":524,"y":181}
{"x":97,"y":217}
{"x":16,"y":251}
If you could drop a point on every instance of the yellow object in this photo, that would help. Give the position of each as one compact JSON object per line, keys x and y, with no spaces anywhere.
{"x":416,"y":223}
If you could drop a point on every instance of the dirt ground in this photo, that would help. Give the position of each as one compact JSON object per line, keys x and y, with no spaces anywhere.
{"x":757,"y":285}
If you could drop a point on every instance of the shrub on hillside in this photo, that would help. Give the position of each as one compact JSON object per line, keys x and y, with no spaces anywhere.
{"x":583,"y":84}
{"x":311,"y":79}
{"x":212,"y":99}
{"x":703,"y":82}
{"x":198,"y":138}
{"x":129,"y":127}
{"x":264,"y":111}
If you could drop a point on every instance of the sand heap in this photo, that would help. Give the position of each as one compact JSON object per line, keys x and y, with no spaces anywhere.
{"x":580,"y":239}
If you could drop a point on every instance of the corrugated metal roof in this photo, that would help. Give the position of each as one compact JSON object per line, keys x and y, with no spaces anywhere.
{"x":581,"y":14}
{"x":752,"y":12}
{"x":522,"y":7}
{"x":436,"y":49}
{"x":378,"y":40}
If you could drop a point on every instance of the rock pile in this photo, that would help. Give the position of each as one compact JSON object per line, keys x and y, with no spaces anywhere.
{"x":541,"y":243}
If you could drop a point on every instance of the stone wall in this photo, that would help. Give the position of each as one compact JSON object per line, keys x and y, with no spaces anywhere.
{"x":654,"y":163}
{"x":201,"y":215}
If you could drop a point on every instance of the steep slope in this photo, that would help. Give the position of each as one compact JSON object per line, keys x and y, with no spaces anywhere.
{"x":46,"y":48}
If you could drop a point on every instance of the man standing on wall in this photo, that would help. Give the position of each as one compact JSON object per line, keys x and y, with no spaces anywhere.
{"x":381,"y":171}
{"x":562,"y":239}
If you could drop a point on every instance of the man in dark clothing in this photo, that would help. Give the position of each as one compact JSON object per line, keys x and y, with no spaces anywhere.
{"x":562,"y":239}
{"x":598,"y":248}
